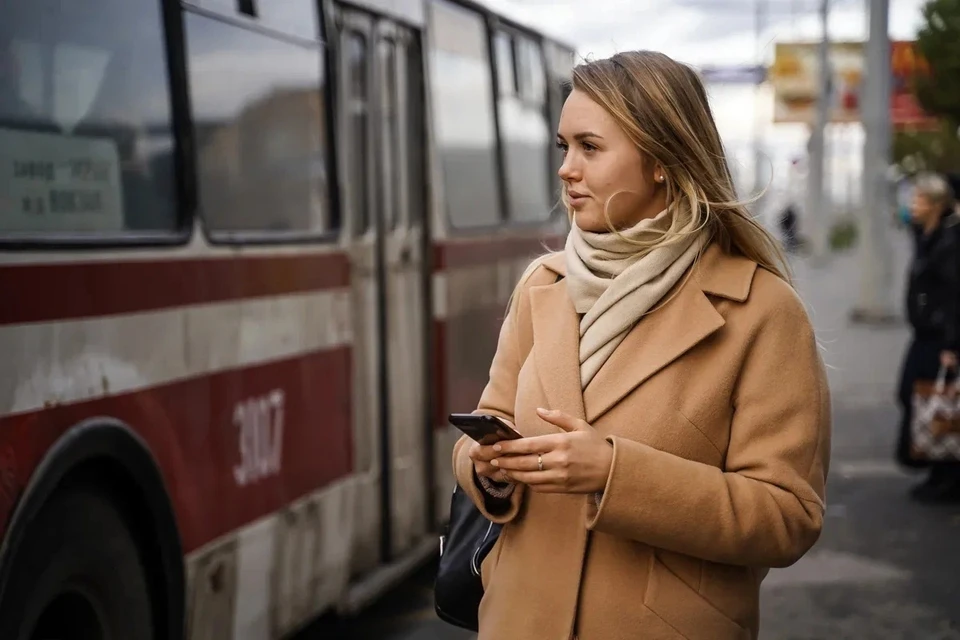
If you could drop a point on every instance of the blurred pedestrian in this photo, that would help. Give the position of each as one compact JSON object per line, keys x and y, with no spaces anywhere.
{"x":788,"y":227}
{"x":933,"y":310}
{"x":674,"y":407}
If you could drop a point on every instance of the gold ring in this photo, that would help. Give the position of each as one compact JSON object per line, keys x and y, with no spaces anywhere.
{"x":540,"y":461}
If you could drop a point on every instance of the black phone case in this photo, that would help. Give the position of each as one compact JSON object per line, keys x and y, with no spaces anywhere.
{"x":484,"y":429}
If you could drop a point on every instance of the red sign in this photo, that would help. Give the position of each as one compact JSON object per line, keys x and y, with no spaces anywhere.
{"x":905,"y":63}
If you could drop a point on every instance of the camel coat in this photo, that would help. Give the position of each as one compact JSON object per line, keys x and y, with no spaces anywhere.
{"x":718,"y":411}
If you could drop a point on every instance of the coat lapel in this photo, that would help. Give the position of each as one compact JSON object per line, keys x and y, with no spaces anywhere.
{"x":686,"y":318}
{"x":657,"y":340}
{"x":556,"y":345}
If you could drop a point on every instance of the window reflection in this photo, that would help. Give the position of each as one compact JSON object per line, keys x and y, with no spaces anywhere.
{"x":259,"y":116}
{"x":85,"y":121}
{"x":525,"y":131}
{"x":462,"y":90}
{"x":358,"y":110}
{"x":389,"y":112}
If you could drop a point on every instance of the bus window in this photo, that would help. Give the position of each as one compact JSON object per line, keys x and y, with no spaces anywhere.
{"x":462,"y":94}
{"x":86,"y":144}
{"x":416,"y":140}
{"x":533,"y":73}
{"x":357,"y":179}
{"x":506,"y":76}
{"x":259,"y":113}
{"x":389,"y":132}
{"x":525,"y":133}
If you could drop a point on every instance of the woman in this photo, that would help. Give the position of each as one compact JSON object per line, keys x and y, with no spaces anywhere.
{"x":674,"y":406}
{"x":933,"y":309}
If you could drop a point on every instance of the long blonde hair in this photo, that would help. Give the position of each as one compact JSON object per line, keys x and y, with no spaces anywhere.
{"x":662,"y":106}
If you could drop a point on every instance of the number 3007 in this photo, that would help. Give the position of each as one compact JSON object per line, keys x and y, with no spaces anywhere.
{"x":259,"y":422}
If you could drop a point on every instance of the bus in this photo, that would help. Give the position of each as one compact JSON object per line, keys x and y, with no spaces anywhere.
{"x":252,"y":254}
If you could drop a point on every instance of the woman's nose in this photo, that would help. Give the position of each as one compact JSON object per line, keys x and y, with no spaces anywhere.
{"x":568,"y":172}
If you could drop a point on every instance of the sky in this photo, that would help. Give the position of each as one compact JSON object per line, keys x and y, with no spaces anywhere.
{"x":721,"y":32}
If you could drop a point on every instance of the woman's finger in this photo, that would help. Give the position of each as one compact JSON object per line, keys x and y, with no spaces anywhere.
{"x":526,"y":446}
{"x":566,"y":422}
{"x":489,"y":471}
{"x":538,"y":478}
{"x":482,"y":453}
{"x":523,"y":463}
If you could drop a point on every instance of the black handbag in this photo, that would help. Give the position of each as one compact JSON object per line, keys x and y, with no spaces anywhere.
{"x":467,"y":540}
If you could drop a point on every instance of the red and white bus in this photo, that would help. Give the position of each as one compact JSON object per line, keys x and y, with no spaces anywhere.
{"x":251,"y":255}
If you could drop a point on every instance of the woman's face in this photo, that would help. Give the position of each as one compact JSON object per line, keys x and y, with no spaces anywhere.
{"x":599,"y":160}
{"x":922,"y":209}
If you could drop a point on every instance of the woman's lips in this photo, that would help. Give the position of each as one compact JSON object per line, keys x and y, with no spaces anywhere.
{"x":576,"y":198}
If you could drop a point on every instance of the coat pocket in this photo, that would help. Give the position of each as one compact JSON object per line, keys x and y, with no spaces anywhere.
{"x":686,"y":610}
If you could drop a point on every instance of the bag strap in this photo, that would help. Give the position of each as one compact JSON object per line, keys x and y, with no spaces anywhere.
{"x":941,"y":384}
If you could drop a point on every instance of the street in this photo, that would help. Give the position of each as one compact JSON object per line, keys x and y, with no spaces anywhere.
{"x":884,"y":567}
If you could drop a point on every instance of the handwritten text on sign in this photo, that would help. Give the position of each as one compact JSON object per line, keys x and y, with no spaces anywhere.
{"x":259,"y":422}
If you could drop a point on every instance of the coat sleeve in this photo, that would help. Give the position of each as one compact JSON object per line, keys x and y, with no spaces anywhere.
{"x":765,"y":507}
{"x":500,"y":396}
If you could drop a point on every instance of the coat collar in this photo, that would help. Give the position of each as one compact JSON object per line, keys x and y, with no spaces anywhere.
{"x":685,"y":318}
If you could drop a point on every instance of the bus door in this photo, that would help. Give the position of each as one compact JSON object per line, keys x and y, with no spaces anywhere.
{"x":382,"y":178}
{"x":401,"y":154}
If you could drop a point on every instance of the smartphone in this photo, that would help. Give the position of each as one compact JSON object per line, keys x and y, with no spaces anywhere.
{"x":484,"y":429}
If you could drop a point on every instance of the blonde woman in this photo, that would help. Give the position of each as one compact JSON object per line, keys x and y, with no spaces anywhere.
{"x":666,"y":380}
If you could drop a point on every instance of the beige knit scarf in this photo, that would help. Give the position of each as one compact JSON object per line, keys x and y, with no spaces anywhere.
{"x":613,"y":288}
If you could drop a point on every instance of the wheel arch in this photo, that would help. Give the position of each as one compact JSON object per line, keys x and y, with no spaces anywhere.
{"x":110,"y":455}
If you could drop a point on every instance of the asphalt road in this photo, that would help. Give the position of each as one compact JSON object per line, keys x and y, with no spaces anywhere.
{"x":405,"y":614}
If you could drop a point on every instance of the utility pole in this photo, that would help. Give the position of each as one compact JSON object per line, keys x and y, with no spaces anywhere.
{"x":873,"y":304}
{"x":760,"y":11}
{"x":816,"y":202}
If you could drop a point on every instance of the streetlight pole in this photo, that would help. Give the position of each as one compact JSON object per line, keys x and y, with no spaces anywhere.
{"x":816,"y":202}
{"x":760,"y":11}
{"x":873,"y":304}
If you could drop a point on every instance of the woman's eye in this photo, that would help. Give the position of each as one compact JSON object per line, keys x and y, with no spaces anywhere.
{"x":562,"y":147}
{"x":588,"y":147}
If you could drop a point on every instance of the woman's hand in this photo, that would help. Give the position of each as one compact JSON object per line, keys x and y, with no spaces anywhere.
{"x":577,"y":461}
{"x":481,"y":456}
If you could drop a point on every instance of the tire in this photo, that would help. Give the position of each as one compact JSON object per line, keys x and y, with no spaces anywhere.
{"x":77,"y":575}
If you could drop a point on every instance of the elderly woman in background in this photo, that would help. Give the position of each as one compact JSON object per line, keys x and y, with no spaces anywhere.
{"x":933,"y":310}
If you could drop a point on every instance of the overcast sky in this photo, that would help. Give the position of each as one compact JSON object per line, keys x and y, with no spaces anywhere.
{"x":698,"y":31}
{"x":720,"y":32}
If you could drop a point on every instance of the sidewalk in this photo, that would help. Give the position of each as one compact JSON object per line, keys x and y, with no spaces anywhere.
{"x":884,"y":568}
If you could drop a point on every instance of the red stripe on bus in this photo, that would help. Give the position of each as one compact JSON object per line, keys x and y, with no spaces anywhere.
{"x":76,"y":290}
{"x":192,"y":427}
{"x":468,"y":252}
{"x":63,"y":291}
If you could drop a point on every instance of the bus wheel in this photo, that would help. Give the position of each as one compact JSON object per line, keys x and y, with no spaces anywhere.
{"x":77,"y":575}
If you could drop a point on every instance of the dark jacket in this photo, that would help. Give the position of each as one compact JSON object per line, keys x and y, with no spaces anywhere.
{"x":933,"y":292}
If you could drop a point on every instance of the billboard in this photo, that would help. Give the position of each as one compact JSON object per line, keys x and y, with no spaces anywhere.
{"x":905,"y":111}
{"x":794,"y":76}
